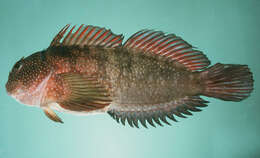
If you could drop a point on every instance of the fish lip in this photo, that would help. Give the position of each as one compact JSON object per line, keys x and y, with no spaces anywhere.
{"x":8,"y":88}
{"x":32,"y":97}
{"x":8,"y":93}
{"x":12,"y":87}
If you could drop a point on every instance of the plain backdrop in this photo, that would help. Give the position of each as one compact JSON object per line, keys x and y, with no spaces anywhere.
{"x":227,"y":31}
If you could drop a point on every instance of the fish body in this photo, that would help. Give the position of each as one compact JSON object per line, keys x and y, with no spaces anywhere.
{"x":150,"y":77}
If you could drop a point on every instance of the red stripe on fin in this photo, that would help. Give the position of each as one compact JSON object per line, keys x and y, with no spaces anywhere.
{"x":80,"y":36}
{"x":58,"y":37}
{"x":74,"y":35}
{"x":170,"y":46}
{"x":230,"y":82}
{"x":106,"y":39}
{"x":102,"y":36}
{"x":151,"y":44}
{"x":160,"y":43}
{"x":113,"y":41}
{"x":87,"y":35}
{"x":68,"y":36}
{"x":94,"y":37}
{"x":132,"y":38}
{"x":136,"y":38}
{"x":154,"y":38}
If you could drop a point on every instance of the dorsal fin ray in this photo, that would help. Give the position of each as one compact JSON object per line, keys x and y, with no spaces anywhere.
{"x":169,"y":46}
{"x":87,"y":35}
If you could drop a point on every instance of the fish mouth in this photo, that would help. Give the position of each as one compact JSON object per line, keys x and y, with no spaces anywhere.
{"x":8,"y":92}
{"x":30,"y":95}
{"x":19,"y":95}
{"x":11,"y":87}
{"x":26,"y":98}
{"x":8,"y":88}
{"x":19,"y":92}
{"x":23,"y":98}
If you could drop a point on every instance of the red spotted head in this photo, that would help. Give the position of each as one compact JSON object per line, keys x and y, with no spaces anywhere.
{"x":28,"y":78}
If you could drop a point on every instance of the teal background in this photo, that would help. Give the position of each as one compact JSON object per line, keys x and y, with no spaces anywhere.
{"x":226,"y":30}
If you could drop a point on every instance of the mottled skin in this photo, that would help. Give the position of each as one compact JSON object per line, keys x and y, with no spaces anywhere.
{"x":131,"y":78}
{"x":145,"y":79}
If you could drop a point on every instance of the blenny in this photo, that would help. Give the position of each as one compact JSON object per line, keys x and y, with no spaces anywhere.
{"x":149,"y":78}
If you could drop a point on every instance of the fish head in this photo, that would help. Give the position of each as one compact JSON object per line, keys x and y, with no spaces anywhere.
{"x":27,"y":79}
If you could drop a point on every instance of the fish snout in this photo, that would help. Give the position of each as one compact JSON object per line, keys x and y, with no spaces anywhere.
{"x":12,"y":87}
{"x":9,"y":88}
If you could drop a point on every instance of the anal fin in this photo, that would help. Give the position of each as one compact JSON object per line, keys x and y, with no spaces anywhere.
{"x":155,"y":113}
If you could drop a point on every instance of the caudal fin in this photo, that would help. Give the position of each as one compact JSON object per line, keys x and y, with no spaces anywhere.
{"x":228,"y":82}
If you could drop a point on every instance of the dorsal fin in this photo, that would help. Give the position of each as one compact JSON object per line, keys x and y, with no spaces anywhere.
{"x":87,"y":35}
{"x":170,"y":46}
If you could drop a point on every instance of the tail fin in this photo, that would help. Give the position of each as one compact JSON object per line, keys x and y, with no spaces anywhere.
{"x":228,"y":82}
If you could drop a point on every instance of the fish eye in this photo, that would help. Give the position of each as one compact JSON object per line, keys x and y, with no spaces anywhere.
{"x":19,"y":68}
{"x":17,"y":65}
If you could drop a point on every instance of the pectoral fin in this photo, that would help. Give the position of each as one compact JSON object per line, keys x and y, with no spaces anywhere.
{"x":52,"y":115}
{"x":87,"y":94}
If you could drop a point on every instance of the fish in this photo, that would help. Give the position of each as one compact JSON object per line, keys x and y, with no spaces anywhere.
{"x":148,"y":80}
